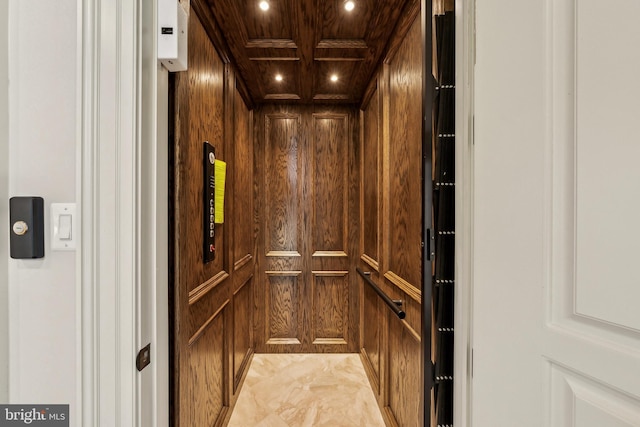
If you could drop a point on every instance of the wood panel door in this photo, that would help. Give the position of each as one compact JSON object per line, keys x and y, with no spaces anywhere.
{"x":306,"y":296}
{"x":556,"y":325}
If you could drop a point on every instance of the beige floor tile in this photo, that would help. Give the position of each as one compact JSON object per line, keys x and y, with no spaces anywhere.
{"x":306,"y":390}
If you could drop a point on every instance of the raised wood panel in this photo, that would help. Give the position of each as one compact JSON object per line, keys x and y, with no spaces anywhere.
{"x":282,"y":180}
{"x":284,"y":308}
{"x":330,"y":156}
{"x":306,"y":156}
{"x":206,"y":395}
{"x":330,"y":307}
{"x":405,"y":159}
{"x":371,"y":173}
{"x":372,"y":315}
{"x":242,"y":330}
{"x":199,"y":118}
{"x":404,"y":391}
{"x":242,"y":169}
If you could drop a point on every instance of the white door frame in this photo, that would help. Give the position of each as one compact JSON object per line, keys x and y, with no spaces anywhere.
{"x":112,"y":164}
{"x":463,"y":348}
{"x":4,"y":203}
{"x":109,"y":211}
{"x":121,"y":168}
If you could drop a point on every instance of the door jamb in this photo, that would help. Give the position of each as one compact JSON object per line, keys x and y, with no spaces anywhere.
{"x":464,"y":194}
{"x":109,"y":201}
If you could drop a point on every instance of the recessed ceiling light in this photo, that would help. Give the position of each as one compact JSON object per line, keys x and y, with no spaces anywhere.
{"x":334,"y":77}
{"x":278,"y":77}
{"x":349,"y":5}
{"x":264,"y":5}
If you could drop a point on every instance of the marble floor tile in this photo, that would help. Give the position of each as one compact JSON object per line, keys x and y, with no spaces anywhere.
{"x":306,"y":390}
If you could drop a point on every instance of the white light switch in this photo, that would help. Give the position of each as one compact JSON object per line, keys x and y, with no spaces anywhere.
{"x":63,"y":226}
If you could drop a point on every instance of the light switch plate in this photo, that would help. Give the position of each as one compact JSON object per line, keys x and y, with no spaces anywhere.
{"x":58,"y":243}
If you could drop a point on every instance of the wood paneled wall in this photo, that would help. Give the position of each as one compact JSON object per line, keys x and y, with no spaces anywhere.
{"x":391,"y":224}
{"x":307,"y":181}
{"x":212,"y":303}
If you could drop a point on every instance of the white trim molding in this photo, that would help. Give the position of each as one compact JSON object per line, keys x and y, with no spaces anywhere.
{"x":463,"y":345}
{"x":109,"y":195}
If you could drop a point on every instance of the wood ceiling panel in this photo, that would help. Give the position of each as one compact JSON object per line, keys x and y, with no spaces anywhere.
{"x":305,"y":41}
{"x":340,"y":90}
{"x":289,"y":87}
{"x":341,"y":50}
{"x":337,"y":23}
{"x":274,"y":23}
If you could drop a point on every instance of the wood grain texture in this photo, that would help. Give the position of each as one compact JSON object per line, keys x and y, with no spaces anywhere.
{"x":405,"y":23}
{"x":307,"y":220}
{"x":211,"y":333}
{"x":242,"y":331}
{"x":404,"y":392}
{"x":198,"y":336}
{"x":242,"y":170}
{"x":329,"y":162}
{"x":330,"y":307}
{"x":371,"y":173}
{"x":297,"y":37}
{"x":391,"y":206}
{"x":284,"y":308}
{"x":206,"y":362}
{"x":405,"y":159}
{"x":282,"y":182}
{"x":372,"y":315}
{"x":199,"y":118}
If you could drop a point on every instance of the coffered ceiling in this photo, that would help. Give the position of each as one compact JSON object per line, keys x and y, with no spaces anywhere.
{"x":290,"y":51}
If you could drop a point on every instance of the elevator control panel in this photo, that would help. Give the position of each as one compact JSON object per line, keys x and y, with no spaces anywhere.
{"x":209,"y":181}
{"x":26,"y":217}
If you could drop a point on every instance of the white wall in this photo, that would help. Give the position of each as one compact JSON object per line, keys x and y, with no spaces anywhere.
{"x":4,"y":203}
{"x":43,"y":129}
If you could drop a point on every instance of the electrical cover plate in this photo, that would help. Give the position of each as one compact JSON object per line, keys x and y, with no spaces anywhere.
{"x":172,"y":35}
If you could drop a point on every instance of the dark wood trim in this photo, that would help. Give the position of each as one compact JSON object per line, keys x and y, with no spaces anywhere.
{"x":369,"y":91}
{"x":271,"y":44}
{"x":330,"y":97}
{"x":410,"y":13}
{"x":222,"y":47}
{"x":342,"y":44}
{"x":282,"y":97}
{"x":207,"y":287}
{"x":244,"y":92}
{"x":213,"y":30}
{"x":196,"y":336}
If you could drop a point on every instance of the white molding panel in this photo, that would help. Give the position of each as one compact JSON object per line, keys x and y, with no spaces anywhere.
{"x":607,"y":152}
{"x":577,"y":400}
{"x":593,"y":252}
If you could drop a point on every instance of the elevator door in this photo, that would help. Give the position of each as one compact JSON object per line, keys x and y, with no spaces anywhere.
{"x":307,"y":201}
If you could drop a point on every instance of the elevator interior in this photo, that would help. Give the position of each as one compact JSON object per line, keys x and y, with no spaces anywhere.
{"x":316,"y":107}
